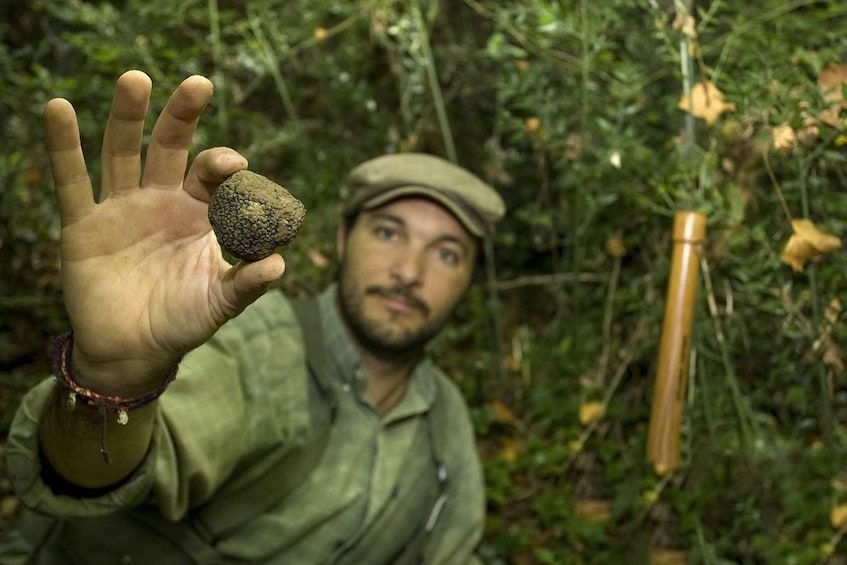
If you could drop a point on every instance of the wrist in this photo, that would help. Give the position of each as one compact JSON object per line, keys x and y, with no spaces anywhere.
{"x":119,"y":400}
{"x":119,"y":378}
{"x":119,"y":374}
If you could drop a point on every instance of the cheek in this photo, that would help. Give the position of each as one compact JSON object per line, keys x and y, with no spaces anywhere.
{"x":447,"y":291}
{"x":357,"y":261}
{"x":366,"y":254}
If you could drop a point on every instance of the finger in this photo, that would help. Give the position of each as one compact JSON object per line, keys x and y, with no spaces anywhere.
{"x":248,"y":281}
{"x":73,"y":187}
{"x":121,"y":153}
{"x":167,"y":154}
{"x":209,"y":169}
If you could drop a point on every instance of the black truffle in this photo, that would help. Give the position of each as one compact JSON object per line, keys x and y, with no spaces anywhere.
{"x":252,"y":215}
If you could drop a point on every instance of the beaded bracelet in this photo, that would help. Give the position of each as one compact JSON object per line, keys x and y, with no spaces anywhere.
{"x":60,"y":357}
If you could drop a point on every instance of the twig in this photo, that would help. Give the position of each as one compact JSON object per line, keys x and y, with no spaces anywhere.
{"x":804,"y":164}
{"x":739,"y":30}
{"x":435,"y":87}
{"x":526,"y":43}
{"x":837,"y":537}
{"x":552,"y":279}
{"x":685,"y":69}
{"x":496,"y":308}
{"x":744,"y":420}
{"x":219,"y":75}
{"x":297,"y":49}
{"x":272,"y":63}
{"x":626,"y":356}
{"x":776,"y":186}
{"x":608,"y":315}
{"x":585,"y":68}
{"x":826,"y":423}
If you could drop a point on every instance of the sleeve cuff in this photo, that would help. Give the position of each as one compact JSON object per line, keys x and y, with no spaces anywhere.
{"x":25,"y":470}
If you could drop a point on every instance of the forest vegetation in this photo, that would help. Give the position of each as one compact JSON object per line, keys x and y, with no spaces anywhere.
{"x":598,"y":122}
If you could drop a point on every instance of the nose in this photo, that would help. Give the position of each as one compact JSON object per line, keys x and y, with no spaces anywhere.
{"x":408,"y":267}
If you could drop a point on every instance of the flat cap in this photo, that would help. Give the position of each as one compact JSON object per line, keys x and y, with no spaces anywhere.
{"x":383,"y":179}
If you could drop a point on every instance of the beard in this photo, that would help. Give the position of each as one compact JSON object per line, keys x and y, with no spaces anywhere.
{"x":381,"y":337}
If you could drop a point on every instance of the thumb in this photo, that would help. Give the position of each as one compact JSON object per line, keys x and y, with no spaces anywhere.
{"x":250,"y":280}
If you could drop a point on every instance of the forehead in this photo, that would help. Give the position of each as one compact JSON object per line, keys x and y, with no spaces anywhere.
{"x":421,"y":215}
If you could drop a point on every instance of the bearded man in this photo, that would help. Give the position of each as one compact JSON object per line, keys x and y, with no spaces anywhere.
{"x":195,"y":417}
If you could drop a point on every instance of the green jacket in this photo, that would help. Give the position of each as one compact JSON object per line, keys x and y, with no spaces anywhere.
{"x":241,"y":400}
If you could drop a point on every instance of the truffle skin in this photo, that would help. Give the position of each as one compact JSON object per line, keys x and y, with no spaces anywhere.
{"x":252,"y":215}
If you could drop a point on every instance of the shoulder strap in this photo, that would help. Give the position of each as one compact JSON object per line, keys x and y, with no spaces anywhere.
{"x":309,"y":316}
{"x":224,"y":513}
{"x":436,"y":419}
{"x":436,"y":429}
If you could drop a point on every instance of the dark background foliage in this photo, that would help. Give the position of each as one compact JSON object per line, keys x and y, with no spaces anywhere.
{"x":570,"y":109}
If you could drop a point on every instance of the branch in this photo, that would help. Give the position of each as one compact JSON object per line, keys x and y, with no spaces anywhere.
{"x":554,"y":279}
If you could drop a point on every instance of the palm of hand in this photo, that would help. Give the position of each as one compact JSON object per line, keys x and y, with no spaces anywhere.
{"x":140,"y":274}
{"x":143,"y":276}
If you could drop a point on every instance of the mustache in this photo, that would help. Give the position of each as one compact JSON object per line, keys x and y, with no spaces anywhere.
{"x":401,"y":292}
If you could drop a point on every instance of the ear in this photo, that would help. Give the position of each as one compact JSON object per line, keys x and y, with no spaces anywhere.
{"x":340,"y":239}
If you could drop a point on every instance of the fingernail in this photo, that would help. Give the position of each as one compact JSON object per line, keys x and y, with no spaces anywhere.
{"x":234,"y":160}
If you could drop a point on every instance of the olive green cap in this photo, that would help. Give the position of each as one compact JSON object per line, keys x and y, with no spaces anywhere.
{"x":383,"y":179}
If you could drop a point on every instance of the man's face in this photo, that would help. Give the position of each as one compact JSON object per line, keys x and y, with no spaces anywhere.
{"x":404,"y":267}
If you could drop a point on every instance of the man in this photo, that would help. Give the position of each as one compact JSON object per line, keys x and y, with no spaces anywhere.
{"x":247,"y":456}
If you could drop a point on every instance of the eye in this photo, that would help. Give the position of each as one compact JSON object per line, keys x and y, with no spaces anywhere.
{"x":448,"y":256}
{"x":385,"y":233}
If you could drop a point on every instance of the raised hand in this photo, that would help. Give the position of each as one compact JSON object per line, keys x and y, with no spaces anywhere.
{"x":143,"y":276}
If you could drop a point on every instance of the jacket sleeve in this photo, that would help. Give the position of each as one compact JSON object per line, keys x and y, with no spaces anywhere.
{"x":24,"y":466}
{"x":216,"y":414}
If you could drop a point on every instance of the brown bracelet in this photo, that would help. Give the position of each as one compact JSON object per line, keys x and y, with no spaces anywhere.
{"x":60,"y":358}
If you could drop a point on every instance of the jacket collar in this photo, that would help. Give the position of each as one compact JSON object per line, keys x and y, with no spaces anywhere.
{"x":344,"y":367}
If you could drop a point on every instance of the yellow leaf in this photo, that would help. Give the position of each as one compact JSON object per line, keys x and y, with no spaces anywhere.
{"x":650,"y":497}
{"x":831,"y":82}
{"x":511,"y":364}
{"x":667,"y":557}
{"x":809,"y":132}
{"x":832,"y":356}
{"x":806,"y":244}
{"x":511,"y":449}
{"x":684,"y":21}
{"x":503,"y":414}
{"x":839,"y":482}
{"x":831,"y":116}
{"x":573,"y":147}
{"x":784,"y":137}
{"x":827,"y":549}
{"x":320,"y":33}
{"x":593,"y":510}
{"x":838,"y":516}
{"x":615,"y":246}
{"x":533,"y":124}
{"x":33,"y":177}
{"x":832,"y":311}
{"x":706,"y":102}
{"x":590,"y":412}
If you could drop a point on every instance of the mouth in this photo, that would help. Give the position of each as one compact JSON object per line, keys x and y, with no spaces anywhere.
{"x":399,"y":300}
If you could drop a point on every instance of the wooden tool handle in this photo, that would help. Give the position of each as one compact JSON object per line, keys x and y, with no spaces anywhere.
{"x":689,"y":231}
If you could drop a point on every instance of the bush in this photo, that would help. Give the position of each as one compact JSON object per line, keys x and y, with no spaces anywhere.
{"x":576,"y":112}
